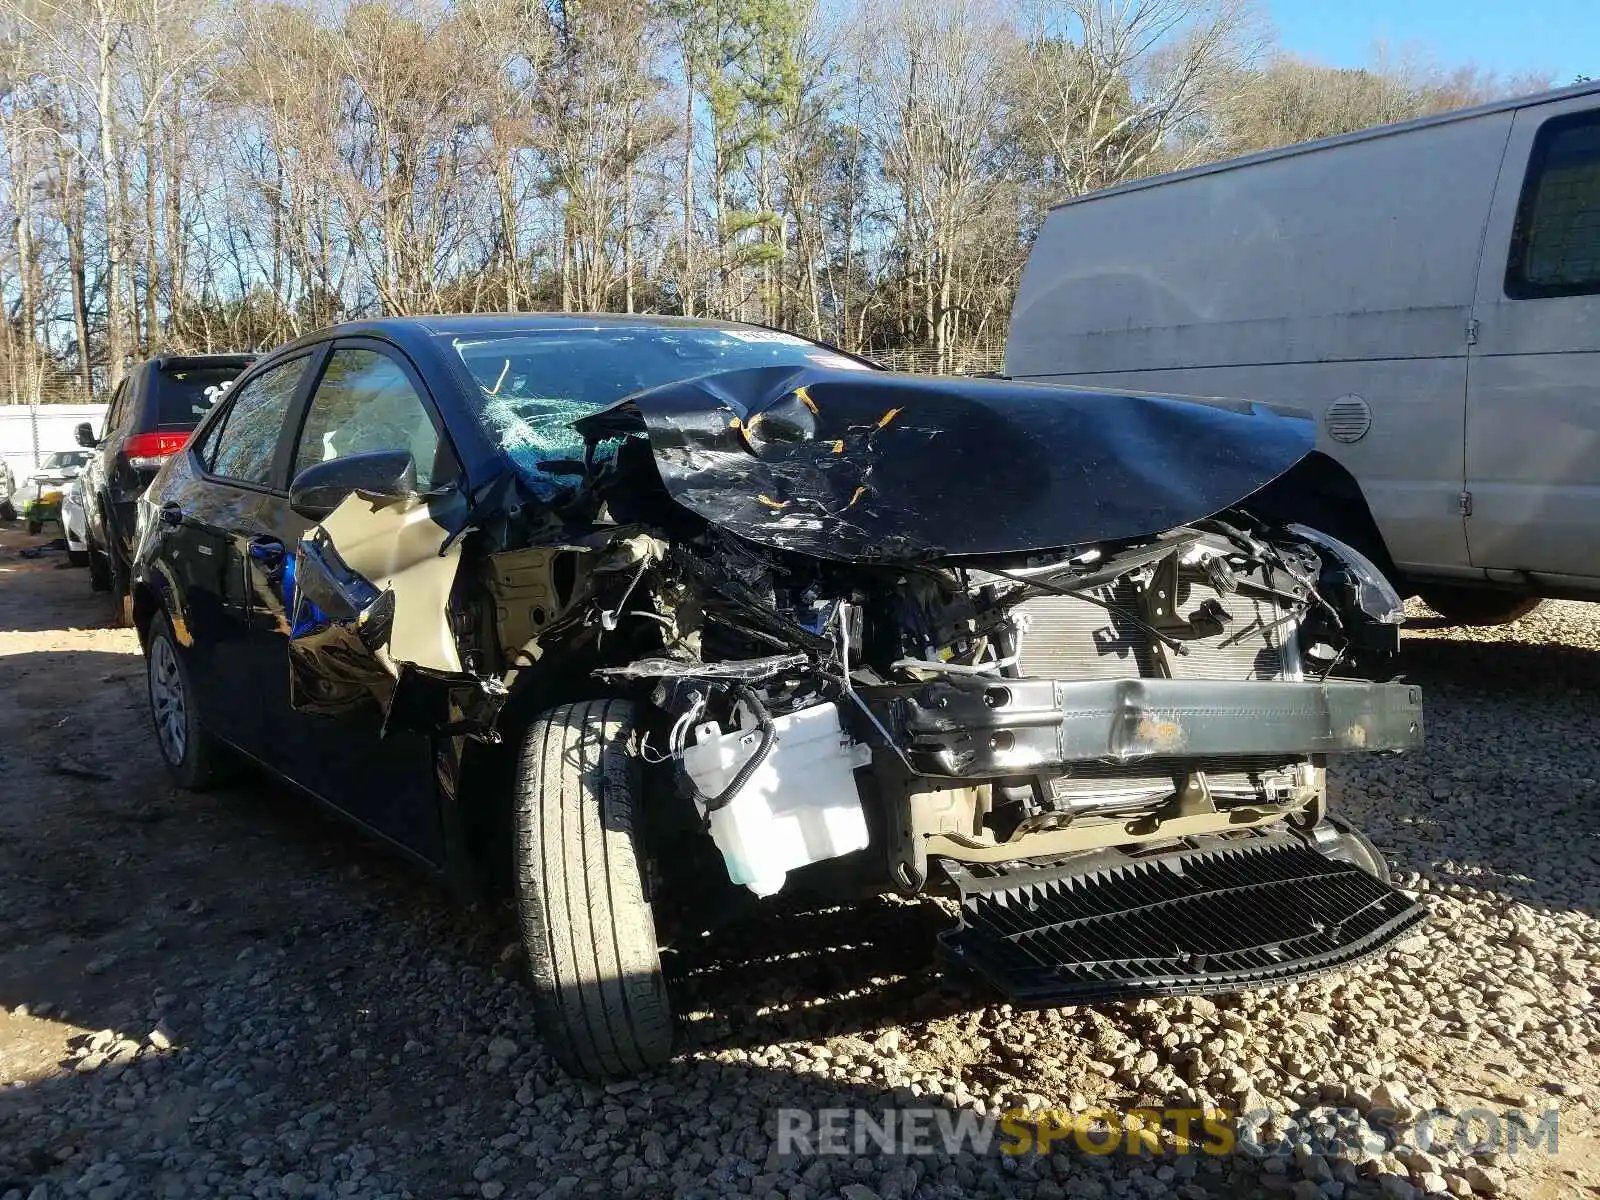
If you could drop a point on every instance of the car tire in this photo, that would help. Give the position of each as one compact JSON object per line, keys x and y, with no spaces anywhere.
{"x":121,"y":594}
{"x":587,"y":929}
{"x":99,"y":570}
{"x":77,"y":558}
{"x":193,"y":757}
{"x":1478,"y":606}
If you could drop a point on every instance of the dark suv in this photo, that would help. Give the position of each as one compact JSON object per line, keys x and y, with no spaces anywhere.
{"x":152,"y":412}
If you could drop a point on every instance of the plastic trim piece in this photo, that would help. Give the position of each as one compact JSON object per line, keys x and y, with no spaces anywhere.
{"x":1224,"y":915}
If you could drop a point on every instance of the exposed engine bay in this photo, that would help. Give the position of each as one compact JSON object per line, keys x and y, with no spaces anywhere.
{"x":953,"y":676}
{"x":1120,"y":668}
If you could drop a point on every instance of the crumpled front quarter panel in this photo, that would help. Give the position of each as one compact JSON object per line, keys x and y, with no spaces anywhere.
{"x":857,"y":465}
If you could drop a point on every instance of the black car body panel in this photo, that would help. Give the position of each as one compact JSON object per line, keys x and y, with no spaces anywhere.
{"x":848,"y":464}
{"x":1041,"y":622}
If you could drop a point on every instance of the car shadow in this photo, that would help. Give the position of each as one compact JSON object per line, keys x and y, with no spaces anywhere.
{"x":1490,"y":820}
{"x":271,"y":989}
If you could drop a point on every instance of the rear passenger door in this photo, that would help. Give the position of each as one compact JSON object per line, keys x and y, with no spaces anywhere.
{"x":1533,"y":388}
{"x":213,"y":522}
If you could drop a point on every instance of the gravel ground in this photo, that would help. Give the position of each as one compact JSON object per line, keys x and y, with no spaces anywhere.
{"x":234,"y":996}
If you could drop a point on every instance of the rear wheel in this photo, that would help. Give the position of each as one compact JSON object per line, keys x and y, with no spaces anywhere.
{"x":78,"y":558}
{"x":587,"y":927}
{"x":99,"y":565}
{"x":1478,"y":606}
{"x":192,"y":755}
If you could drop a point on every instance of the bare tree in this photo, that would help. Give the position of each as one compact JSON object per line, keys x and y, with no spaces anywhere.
{"x":201,"y":174}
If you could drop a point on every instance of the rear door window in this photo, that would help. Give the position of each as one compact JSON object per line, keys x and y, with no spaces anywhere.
{"x":244,"y":442}
{"x":115,"y":412}
{"x":1555,"y":245}
{"x":184,"y":395}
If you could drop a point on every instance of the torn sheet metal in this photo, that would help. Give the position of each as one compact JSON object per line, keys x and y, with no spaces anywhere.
{"x":393,"y":548}
{"x":368,"y":596}
{"x":858,"y":465}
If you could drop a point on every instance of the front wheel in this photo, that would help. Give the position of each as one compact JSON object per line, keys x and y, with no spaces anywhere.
{"x":598,"y":992}
{"x":77,"y":558}
{"x":192,"y":755}
{"x":1478,"y":606}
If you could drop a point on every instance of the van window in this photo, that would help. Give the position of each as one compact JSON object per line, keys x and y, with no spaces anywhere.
{"x":1555,"y":245}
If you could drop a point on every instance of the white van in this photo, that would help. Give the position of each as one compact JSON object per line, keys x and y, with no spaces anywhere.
{"x":1429,"y":290}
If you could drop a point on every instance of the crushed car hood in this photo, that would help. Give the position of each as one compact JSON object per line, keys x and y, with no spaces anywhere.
{"x":860,"y":465}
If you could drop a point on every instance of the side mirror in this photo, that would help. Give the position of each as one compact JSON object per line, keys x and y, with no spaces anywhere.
{"x":322,"y":487}
{"x":83,"y":434}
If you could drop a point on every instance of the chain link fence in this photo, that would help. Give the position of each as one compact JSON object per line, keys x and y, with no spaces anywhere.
{"x":925,"y":361}
{"x":53,"y":391}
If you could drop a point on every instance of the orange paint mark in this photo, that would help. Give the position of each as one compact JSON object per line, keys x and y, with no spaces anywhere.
{"x":860,"y":492}
{"x":889,"y":416}
{"x":771,"y":503}
{"x":838,"y":447}
{"x":804,"y":397}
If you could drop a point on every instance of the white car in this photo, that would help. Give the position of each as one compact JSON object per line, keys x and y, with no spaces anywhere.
{"x":38,"y":496}
{"x":75,"y":524}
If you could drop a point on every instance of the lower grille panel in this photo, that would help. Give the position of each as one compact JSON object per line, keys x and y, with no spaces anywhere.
{"x":1232,"y":915}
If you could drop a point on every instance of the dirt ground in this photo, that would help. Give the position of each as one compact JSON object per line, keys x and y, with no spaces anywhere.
{"x":122,"y":897}
{"x":314,"y":979}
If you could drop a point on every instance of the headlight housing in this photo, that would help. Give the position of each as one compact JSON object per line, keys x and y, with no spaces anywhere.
{"x":1372,"y":592}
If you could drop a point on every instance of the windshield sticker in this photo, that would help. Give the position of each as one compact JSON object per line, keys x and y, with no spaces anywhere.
{"x":765,"y":335}
{"x":838,"y":362}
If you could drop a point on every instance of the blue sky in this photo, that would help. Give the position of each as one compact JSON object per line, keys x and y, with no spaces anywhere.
{"x":1559,"y":37}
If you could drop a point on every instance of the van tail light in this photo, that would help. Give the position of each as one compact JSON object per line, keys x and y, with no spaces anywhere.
{"x":146,"y":451}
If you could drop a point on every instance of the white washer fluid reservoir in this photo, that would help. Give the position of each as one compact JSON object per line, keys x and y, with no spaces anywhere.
{"x":799,"y":806}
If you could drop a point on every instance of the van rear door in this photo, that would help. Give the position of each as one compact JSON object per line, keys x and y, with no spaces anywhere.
{"x":1533,"y":381}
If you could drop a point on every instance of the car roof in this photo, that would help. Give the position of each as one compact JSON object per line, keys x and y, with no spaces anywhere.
{"x":191,"y":362}
{"x":404,"y":331}
{"x":1449,"y":116}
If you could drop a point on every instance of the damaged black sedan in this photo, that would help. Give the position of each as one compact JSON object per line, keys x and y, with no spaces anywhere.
{"x":603,"y":604}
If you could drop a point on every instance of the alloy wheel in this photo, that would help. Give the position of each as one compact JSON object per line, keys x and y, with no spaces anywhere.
{"x":167,"y":701}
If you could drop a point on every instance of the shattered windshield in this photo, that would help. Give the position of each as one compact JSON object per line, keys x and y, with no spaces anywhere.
{"x":532,"y":385}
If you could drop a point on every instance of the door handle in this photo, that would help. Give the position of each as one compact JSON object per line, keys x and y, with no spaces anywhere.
{"x":269,"y":552}
{"x":171,"y":514}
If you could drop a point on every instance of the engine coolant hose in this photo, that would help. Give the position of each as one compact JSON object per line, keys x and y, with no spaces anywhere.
{"x":769,"y":735}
